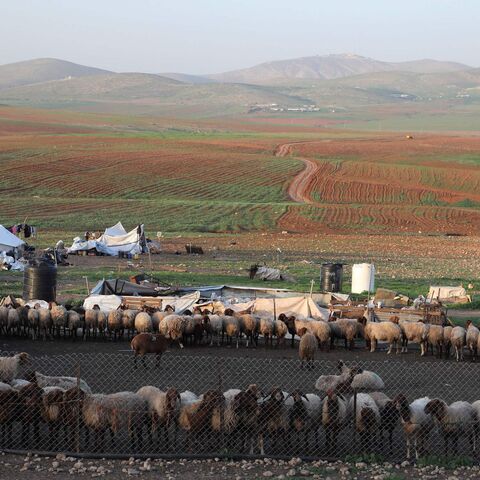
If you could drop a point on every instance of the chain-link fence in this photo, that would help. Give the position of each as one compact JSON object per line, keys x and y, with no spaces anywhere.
{"x":216,"y":406}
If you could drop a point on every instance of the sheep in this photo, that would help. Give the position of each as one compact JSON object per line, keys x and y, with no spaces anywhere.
{"x":95,"y":418}
{"x":305,"y":414}
{"x":457,"y":340}
{"x":387,"y":331}
{"x":63,"y":382}
{"x":13,"y":320}
{"x":307,"y":348}
{"x":144,"y":343}
{"x":472,"y":338}
{"x":164,"y":408}
{"x":340,"y":384}
{"x":196,"y":418}
{"x":362,"y":379}
{"x":33,"y":316}
{"x":172,"y":327}
{"x":143,"y":322}
{"x":10,"y":366}
{"x":193,"y":329}
{"x":413,"y":332}
{"x":281,"y":331}
{"x":52,"y":400}
{"x":59,"y":317}
{"x":115,"y":323}
{"x":417,"y":424}
{"x":128,"y":321}
{"x":23,"y":320}
{"x":71,"y":412}
{"x":213,"y":326}
{"x":435,"y":339}
{"x":247,"y":324}
{"x":272,"y":418}
{"x":345,"y":328}
{"x":157,"y":316}
{"x":9,"y":404}
{"x":447,"y":339}
{"x":454,"y":420}
{"x":290,"y":324}
{"x":91,"y":321}
{"x":266,"y":328}
{"x":240,"y":416}
{"x":389,"y":415}
{"x":367,"y":418}
{"x":231,"y":327}
{"x":30,"y":410}
{"x":18,"y":383}
{"x":44,"y":321}
{"x":3,"y":318}
{"x":127,"y":410}
{"x":74,"y":322}
{"x":334,"y":418}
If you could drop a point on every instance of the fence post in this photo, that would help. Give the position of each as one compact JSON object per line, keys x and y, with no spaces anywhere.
{"x":77,"y":423}
{"x":355,"y":416}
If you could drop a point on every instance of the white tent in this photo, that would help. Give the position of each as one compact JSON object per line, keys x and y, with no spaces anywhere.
{"x":8,"y":241}
{"x":114,"y":240}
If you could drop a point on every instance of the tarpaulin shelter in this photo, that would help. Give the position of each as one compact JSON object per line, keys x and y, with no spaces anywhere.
{"x":115,"y":239}
{"x":9,"y":241}
{"x":118,"y":286}
{"x":448,"y":294}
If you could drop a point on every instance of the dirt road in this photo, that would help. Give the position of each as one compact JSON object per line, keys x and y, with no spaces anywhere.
{"x":298,"y":189}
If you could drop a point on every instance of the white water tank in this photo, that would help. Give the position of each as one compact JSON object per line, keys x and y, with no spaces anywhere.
{"x":363,"y":277}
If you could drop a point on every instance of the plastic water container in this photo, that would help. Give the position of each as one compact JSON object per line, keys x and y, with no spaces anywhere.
{"x":331,"y":277}
{"x":363,"y":277}
{"x":40,"y":281}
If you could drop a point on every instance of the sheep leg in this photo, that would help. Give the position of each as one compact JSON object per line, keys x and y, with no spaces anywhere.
{"x":373,"y":345}
{"x":390,"y":348}
{"x":144,"y":363}
{"x":260,"y":444}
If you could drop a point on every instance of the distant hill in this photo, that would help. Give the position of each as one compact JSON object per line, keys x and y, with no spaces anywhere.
{"x":42,"y":70}
{"x":187,"y":78}
{"x":328,"y":67}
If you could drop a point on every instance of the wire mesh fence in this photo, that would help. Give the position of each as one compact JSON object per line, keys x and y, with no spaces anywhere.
{"x":230,"y":406}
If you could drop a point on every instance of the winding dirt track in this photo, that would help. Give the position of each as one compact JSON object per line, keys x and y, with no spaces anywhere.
{"x":299,"y":190}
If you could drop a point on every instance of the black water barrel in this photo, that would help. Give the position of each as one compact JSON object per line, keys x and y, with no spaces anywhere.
{"x":331,"y":277}
{"x":40,"y":281}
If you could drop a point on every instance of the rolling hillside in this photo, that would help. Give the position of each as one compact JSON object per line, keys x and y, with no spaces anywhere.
{"x":42,"y":70}
{"x":329,"y":67}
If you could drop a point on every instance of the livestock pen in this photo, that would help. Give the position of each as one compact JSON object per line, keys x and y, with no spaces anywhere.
{"x":235,"y":407}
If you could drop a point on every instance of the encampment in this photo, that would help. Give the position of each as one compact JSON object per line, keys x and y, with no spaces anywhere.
{"x":448,"y":294}
{"x":115,"y":239}
{"x":9,"y":242}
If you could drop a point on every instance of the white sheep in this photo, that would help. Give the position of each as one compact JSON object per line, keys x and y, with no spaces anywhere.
{"x":213,"y":325}
{"x":281,"y":331}
{"x":362,"y":379}
{"x":33,"y":322}
{"x":417,"y":424}
{"x":60,"y":381}
{"x":143,"y":322}
{"x":74,"y":322}
{"x":435,"y":339}
{"x":367,"y":418}
{"x":128,"y":321}
{"x":454,"y":420}
{"x":387,"y":331}
{"x":266,"y":328}
{"x":164,"y":407}
{"x":457,"y":339}
{"x":95,"y":417}
{"x":415,"y":332}
{"x":59,"y":317}
{"x":174,"y":326}
{"x":10,"y":366}
{"x":307,"y":348}
{"x":472,"y":337}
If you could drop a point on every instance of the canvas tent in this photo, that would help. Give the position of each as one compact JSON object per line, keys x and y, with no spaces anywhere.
{"x":8,"y":241}
{"x":118,"y":286}
{"x":448,"y":294}
{"x":114,"y":240}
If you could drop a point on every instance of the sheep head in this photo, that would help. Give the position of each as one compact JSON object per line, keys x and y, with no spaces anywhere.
{"x":276,"y":394}
{"x":301,"y":332}
{"x":24,"y":358}
{"x":395,"y":319}
{"x":437,"y":408}
{"x":228,"y":312}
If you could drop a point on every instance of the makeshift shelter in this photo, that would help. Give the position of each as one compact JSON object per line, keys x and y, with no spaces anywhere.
{"x":302,"y":306}
{"x":114,"y":240}
{"x":9,"y":241}
{"x":118,"y":286}
{"x":448,"y":294}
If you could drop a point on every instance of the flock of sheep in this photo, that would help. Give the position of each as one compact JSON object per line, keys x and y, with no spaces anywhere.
{"x":40,"y":411}
{"x":199,"y":326}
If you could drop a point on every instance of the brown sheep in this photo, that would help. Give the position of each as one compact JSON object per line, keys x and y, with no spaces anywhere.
{"x":144,"y":343}
{"x":307,"y":348}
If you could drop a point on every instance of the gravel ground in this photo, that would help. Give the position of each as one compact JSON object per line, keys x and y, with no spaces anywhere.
{"x":61,"y":467}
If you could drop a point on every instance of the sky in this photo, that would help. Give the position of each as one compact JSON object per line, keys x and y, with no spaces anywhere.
{"x":210,"y":36}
